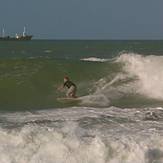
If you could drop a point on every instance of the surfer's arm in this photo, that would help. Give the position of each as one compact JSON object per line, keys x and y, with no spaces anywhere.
{"x":61,"y":87}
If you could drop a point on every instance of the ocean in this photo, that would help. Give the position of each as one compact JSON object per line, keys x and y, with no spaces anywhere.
{"x":118,"y":117}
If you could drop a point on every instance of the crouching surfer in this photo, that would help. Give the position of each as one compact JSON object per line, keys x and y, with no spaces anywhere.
{"x":71,"y":92}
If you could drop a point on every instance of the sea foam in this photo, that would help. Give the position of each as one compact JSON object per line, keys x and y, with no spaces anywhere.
{"x":148,"y":70}
{"x":94,"y":59}
{"x":108,"y":135}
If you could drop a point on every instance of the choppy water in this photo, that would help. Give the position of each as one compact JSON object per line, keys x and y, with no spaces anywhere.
{"x":117,"y":119}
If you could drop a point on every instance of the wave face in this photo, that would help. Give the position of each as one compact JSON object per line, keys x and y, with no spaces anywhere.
{"x":82,"y":134}
{"x":128,"y":80}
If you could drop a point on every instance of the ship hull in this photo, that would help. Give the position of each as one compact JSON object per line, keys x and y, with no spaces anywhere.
{"x":22,"y":38}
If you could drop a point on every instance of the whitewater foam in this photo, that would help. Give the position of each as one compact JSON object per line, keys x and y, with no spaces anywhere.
{"x":70,"y":135}
{"x":148,"y":70}
{"x":94,"y":59}
{"x":96,"y":99}
{"x":108,"y":89}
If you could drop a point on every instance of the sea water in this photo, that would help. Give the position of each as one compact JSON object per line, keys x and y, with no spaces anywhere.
{"x":118,"y":119}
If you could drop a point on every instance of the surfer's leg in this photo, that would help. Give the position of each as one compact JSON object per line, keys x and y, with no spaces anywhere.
{"x":68,"y":94}
{"x":71,"y":92}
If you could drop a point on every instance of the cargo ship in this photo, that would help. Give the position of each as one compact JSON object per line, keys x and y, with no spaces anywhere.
{"x":17,"y":37}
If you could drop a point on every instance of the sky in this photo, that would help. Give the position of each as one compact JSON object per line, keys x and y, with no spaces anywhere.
{"x":83,"y":19}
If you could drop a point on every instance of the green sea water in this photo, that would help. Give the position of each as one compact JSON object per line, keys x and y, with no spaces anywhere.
{"x":31,"y":72}
{"x":75,"y":49}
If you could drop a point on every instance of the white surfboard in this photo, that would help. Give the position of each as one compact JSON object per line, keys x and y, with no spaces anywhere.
{"x":68,"y":99}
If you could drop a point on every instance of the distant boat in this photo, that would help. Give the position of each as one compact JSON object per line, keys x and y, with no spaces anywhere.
{"x":17,"y":37}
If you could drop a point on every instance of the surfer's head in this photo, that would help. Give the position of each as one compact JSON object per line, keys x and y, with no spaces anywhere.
{"x":66,"y":78}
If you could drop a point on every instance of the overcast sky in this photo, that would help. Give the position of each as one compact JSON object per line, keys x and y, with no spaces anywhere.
{"x":84,"y":19}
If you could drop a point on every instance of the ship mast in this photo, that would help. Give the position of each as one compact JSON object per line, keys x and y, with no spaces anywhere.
{"x":24,"y":32}
{"x":3,"y":32}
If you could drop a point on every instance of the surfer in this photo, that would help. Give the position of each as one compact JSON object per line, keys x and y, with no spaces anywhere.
{"x":71,"y":92}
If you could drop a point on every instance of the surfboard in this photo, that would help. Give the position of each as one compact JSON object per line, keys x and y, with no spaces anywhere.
{"x":68,"y":99}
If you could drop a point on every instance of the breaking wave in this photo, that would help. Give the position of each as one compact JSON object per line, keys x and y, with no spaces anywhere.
{"x":138,"y":75}
{"x":148,"y":70}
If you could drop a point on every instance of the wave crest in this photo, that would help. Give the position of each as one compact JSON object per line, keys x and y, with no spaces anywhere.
{"x":148,"y":70}
{"x":94,"y":59}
